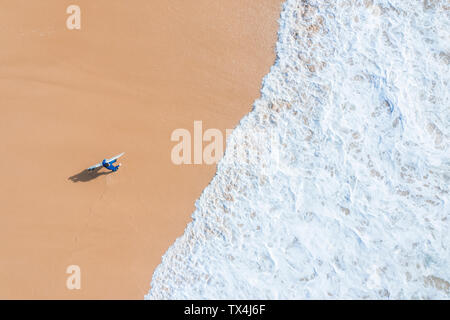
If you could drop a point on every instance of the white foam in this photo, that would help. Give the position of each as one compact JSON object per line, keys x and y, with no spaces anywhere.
{"x":345,"y":191}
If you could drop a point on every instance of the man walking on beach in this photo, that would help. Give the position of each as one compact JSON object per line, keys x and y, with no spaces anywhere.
{"x":109,"y":165}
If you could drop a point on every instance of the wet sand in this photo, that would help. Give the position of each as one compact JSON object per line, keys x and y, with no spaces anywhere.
{"x":134,"y":73}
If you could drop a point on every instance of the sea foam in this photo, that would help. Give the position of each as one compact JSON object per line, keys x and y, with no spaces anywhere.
{"x":335,"y":185}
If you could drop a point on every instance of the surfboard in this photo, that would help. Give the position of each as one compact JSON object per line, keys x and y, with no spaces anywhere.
{"x":95,"y":166}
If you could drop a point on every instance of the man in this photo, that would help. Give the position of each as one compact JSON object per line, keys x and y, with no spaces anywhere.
{"x":109,"y":165}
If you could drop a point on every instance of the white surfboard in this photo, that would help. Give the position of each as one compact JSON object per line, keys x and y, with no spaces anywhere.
{"x":95,"y":166}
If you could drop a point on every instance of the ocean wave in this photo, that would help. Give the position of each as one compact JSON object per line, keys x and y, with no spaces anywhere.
{"x":335,"y":185}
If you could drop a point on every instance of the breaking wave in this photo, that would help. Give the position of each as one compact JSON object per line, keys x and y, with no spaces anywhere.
{"x":335,"y":185}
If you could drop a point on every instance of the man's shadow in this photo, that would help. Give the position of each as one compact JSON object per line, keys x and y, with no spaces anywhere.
{"x":88,"y":175}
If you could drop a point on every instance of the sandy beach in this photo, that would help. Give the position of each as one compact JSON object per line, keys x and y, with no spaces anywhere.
{"x":132,"y":74}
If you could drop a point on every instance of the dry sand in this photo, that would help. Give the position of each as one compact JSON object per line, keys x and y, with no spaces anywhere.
{"x":136,"y":71}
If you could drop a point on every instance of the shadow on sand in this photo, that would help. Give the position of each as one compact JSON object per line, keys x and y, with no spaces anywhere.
{"x":86,"y":175}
